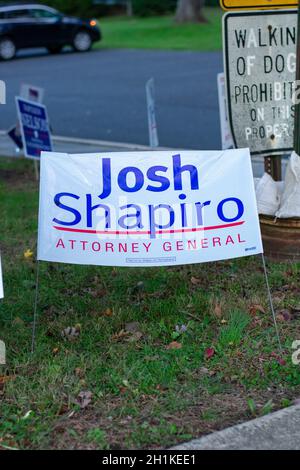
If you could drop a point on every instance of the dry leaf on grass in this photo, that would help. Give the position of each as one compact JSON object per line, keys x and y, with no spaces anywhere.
{"x":28,"y":254}
{"x":218,"y":310}
{"x":84,"y":399}
{"x":209,"y":353}
{"x":174,"y":345}
{"x":195,"y":281}
{"x":71,"y":333}
{"x":132,"y":327}
{"x":120,"y":336}
{"x":255,"y":308}
{"x":283,"y":315}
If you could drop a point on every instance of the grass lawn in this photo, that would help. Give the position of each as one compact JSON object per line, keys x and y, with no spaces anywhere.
{"x":162,"y":33}
{"x":127,"y":378}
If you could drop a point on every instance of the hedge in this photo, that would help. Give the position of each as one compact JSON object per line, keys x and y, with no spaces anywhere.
{"x":104,"y":7}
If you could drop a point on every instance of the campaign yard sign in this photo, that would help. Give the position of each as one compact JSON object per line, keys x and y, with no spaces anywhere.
{"x":260,"y":68}
{"x":35,"y":131}
{"x":147,"y":209}
{"x":29,"y":93}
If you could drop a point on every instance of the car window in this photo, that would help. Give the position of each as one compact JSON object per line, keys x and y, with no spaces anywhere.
{"x":16,"y":14}
{"x":40,"y":13}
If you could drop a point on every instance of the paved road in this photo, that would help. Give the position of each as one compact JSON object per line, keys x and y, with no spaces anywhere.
{"x":101,"y":95}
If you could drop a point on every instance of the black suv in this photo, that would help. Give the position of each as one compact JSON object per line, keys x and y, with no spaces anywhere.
{"x":34,"y":25}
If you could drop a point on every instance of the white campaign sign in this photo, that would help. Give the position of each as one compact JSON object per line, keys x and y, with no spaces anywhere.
{"x":150,"y":94}
{"x":147,"y":208}
{"x":1,"y":282}
{"x":227,"y":140}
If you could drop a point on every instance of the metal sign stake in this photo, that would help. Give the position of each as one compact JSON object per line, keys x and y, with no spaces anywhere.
{"x":35,"y":307}
{"x":271,"y":302}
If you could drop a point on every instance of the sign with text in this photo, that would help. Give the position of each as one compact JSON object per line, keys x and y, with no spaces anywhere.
{"x":227,"y":141}
{"x":34,"y":127}
{"x":29,"y":93}
{"x":32,"y":93}
{"x":147,"y":209}
{"x":260,"y":68}
{"x":257,"y":4}
{"x":150,"y":94}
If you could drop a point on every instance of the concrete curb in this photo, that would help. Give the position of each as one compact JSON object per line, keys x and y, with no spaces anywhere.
{"x":96,"y":143}
{"x":276,"y":431}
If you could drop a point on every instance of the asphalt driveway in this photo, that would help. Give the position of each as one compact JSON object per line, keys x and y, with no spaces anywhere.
{"x":101,"y":94}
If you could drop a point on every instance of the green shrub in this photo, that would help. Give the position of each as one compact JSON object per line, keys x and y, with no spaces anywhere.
{"x":83,"y":8}
{"x":153,"y":7}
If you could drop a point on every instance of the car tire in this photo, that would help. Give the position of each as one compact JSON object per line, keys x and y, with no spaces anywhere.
{"x":82,"y":41}
{"x":7,"y":49}
{"x":55,"y":49}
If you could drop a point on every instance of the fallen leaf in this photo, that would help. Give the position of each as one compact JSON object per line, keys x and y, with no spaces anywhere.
{"x":108,"y":312}
{"x":120,"y":335}
{"x":218,"y":310}
{"x":195,"y":281}
{"x":204,"y":370}
{"x":134,"y":337}
{"x":283,"y":315}
{"x":295,"y":311}
{"x":55,"y":351}
{"x":256,"y":308}
{"x":209,"y":353}
{"x":132,"y":327}
{"x":79,"y":372}
{"x":71,"y":333}
{"x":27,"y":415}
{"x":174,"y":345}
{"x":84,"y":399}
{"x":63,"y":410}
{"x":18,"y":321}
{"x":28,"y":254}
{"x":4,"y":379}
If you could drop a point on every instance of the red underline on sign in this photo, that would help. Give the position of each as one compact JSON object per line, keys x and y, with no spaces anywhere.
{"x":159,"y":232}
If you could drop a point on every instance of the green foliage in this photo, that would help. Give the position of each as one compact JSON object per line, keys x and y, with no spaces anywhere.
{"x":82,"y":8}
{"x":153,"y":7}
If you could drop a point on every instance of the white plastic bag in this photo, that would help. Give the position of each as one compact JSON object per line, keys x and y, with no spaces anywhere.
{"x":267,"y":195}
{"x":290,"y":201}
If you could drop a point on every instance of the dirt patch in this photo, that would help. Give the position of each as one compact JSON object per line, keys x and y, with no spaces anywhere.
{"x":19,"y":179}
{"x":203,"y":415}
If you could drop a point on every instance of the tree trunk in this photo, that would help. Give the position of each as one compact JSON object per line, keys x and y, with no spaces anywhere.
{"x":129,"y":8}
{"x":190,"y":11}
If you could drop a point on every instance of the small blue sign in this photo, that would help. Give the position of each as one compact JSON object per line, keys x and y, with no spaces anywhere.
{"x":35,"y":128}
